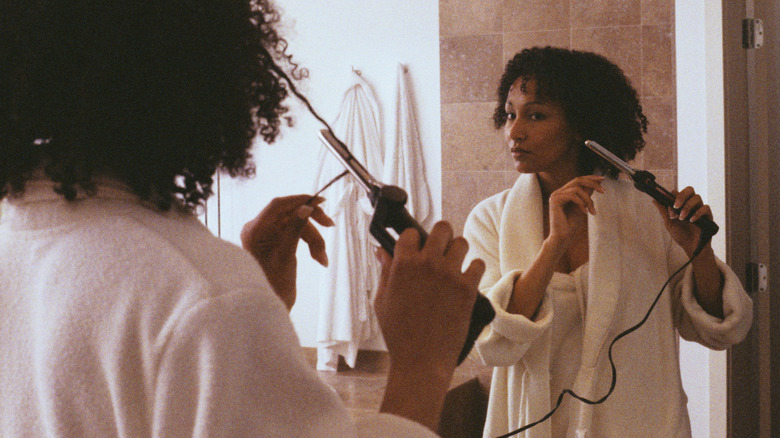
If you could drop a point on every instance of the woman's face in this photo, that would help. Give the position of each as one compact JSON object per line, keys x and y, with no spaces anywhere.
{"x":537,"y":134}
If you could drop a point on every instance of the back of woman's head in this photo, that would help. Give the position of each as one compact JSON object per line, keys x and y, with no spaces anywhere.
{"x":158,"y":93}
{"x":598,"y":100}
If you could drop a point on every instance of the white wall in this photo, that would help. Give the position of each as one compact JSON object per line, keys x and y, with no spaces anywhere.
{"x":329,"y":38}
{"x":701,"y":164}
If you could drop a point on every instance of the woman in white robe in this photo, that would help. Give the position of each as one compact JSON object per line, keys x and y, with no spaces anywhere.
{"x":576,"y":256}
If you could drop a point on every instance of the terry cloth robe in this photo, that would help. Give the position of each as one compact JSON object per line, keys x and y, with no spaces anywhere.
{"x":404,"y":166}
{"x":121,"y":321}
{"x":631,"y":256}
{"x":346,"y":316}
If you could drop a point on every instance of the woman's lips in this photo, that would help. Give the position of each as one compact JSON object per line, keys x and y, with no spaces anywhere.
{"x":519,"y":153}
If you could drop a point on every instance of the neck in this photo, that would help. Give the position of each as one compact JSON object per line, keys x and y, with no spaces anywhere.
{"x":552,"y":182}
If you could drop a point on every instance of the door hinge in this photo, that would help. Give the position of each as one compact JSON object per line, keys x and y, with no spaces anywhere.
{"x":752,"y":33}
{"x":757,"y":278}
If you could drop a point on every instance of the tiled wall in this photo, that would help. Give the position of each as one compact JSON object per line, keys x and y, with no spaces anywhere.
{"x":478,"y":37}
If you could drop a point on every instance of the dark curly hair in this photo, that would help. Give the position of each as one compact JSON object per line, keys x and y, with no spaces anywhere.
{"x":157,"y":93}
{"x":598,"y":100}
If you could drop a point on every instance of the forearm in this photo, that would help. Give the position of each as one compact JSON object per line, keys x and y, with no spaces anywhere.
{"x":530,"y":287}
{"x":415,"y":395}
{"x":708,"y":283}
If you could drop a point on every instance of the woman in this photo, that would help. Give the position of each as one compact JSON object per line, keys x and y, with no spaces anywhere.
{"x":121,"y":315}
{"x":575,"y":256}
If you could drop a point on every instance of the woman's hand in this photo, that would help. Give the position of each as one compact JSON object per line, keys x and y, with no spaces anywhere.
{"x":423,"y":304}
{"x":569,"y":206}
{"x":272,"y":238}
{"x":680,"y":225}
{"x":708,"y":279}
{"x":424,"y":298}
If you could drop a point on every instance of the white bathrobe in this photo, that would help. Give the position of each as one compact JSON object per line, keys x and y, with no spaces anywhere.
{"x":631,"y":256}
{"x":346,"y":316}
{"x":404,"y":165}
{"x":121,"y":321}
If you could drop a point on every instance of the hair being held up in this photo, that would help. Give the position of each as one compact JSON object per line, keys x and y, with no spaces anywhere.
{"x":157,"y":94}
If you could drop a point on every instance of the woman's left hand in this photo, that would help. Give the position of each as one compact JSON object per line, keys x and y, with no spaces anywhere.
{"x":680,"y":225}
{"x":272,"y":238}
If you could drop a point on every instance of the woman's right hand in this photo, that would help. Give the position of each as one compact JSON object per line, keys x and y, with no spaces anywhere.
{"x":569,"y":207}
{"x":423,"y":304}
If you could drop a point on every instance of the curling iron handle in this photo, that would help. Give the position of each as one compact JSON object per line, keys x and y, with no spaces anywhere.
{"x":390,"y":212}
{"x":645,"y":181}
{"x":481,"y":315}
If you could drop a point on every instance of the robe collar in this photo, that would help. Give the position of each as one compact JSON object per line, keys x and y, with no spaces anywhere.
{"x":520,"y":245}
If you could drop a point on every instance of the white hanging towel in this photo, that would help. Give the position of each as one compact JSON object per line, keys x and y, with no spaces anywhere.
{"x":346,"y":316}
{"x":404,"y":166}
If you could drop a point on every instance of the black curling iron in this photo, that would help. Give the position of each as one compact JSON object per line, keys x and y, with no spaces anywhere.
{"x":645,"y":182}
{"x":390,"y":212}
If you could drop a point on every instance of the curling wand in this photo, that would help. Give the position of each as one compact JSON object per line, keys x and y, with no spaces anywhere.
{"x":645,"y":182}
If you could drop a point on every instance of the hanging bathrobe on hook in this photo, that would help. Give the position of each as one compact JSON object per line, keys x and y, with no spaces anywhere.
{"x":346,"y":316}
{"x":404,"y":163}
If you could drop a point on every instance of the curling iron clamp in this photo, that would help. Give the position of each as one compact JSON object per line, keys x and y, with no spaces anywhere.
{"x":390,"y":213}
{"x":645,"y":182}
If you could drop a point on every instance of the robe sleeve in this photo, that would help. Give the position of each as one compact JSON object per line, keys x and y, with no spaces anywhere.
{"x":694,"y":323}
{"x":507,"y":338}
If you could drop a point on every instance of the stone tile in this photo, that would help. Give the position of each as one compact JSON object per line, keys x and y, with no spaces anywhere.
{"x":470,"y":68}
{"x":666,"y":178}
{"x":514,"y":42}
{"x":661,"y":139}
{"x":657,"y":11}
{"x":657,"y":61}
{"x":467,"y":17}
{"x":535,"y":15}
{"x":596,"y":13}
{"x":639,"y":161}
{"x":461,"y":191}
{"x":510,"y":178}
{"x":469,"y":140}
{"x":621,"y":45}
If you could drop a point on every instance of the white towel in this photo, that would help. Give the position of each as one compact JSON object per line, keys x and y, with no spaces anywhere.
{"x":404,"y":166}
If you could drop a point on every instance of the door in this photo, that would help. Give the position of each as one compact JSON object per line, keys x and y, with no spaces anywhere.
{"x":752,"y":101}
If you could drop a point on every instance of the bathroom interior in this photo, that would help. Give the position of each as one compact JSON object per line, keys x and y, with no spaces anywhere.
{"x":454,"y":52}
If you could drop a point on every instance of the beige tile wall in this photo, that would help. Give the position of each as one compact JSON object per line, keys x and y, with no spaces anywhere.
{"x":477,"y":37}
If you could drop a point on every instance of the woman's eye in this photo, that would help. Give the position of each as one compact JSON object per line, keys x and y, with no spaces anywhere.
{"x":511,"y":116}
{"x":536,"y":116}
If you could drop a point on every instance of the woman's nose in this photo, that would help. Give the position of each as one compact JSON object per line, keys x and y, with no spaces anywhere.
{"x":514,"y":131}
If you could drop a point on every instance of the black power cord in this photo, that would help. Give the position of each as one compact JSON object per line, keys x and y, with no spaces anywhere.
{"x":704,"y":238}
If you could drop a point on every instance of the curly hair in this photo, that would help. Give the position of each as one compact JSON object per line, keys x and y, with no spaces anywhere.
{"x":598,"y":100}
{"x":159,"y":94}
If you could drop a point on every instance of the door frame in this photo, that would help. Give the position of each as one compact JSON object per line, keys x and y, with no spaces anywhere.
{"x":752,"y":204}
